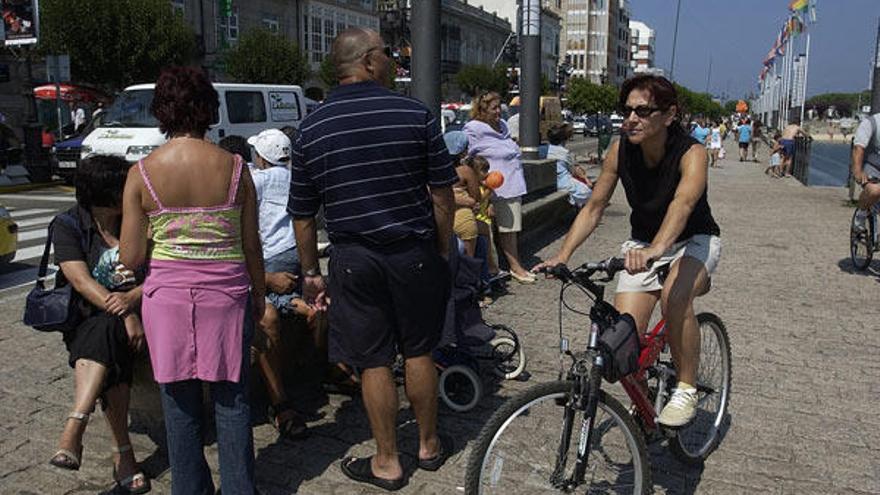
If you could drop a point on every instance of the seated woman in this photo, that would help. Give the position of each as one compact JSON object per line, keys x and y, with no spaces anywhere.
{"x":569,"y":178}
{"x":103,"y":346}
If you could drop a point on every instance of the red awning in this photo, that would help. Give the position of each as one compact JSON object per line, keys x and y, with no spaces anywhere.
{"x":70,"y":92}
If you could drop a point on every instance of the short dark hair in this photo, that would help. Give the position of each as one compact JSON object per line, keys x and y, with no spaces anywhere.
{"x":237,"y":145}
{"x":558,"y":133}
{"x":100,"y":180}
{"x":291,"y":133}
{"x":184,"y":101}
{"x":662,"y":91}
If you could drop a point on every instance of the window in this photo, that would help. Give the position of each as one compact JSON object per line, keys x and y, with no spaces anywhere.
{"x":229,"y":25}
{"x":271,"y":23}
{"x":284,"y":106}
{"x":245,"y":106}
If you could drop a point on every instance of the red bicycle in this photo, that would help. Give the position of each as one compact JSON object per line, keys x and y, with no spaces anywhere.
{"x":527,"y":447}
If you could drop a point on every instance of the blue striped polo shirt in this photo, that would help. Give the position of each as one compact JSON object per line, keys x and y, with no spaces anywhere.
{"x":369,"y":155}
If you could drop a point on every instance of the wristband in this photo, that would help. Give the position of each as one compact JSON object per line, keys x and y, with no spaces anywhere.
{"x":313,"y":272}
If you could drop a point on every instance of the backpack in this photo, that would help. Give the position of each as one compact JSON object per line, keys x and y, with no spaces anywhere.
{"x":872,"y":150}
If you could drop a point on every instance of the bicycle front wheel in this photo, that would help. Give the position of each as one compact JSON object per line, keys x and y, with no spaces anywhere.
{"x":699,"y":438}
{"x":861,"y":242}
{"x":518,"y":449}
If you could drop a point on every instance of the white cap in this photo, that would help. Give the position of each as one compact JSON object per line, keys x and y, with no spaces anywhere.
{"x":272,"y":145}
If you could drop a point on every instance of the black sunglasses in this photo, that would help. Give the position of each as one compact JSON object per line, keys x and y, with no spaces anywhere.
{"x":642,"y":111}
{"x":385,"y":50}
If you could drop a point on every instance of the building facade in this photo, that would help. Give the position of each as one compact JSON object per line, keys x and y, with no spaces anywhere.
{"x":642,"y":42}
{"x":595,"y":37}
{"x":469,"y":35}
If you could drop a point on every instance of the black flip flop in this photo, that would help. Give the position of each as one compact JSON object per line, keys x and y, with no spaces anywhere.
{"x":436,"y":462}
{"x":359,"y":469}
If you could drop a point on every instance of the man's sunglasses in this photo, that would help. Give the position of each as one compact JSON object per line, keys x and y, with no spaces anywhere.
{"x":385,"y":49}
{"x":642,"y":111}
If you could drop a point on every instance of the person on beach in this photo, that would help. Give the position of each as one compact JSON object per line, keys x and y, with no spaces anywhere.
{"x":664,"y":175}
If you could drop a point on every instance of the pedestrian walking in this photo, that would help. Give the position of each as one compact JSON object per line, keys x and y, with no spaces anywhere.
{"x":378,"y":164}
{"x":715,"y":138}
{"x":744,"y":137}
{"x":489,"y":137}
{"x":205,"y":273}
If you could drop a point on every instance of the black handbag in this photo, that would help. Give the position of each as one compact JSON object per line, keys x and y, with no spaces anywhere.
{"x":55,"y":309}
{"x":621,"y":347}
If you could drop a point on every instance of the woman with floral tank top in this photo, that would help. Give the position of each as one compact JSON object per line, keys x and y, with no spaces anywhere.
{"x":196,"y":202}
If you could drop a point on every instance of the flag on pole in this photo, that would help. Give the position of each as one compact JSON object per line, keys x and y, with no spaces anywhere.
{"x":812,"y":9}
{"x":799,"y":6}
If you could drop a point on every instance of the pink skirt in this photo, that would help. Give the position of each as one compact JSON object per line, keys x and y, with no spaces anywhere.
{"x":193,"y":313}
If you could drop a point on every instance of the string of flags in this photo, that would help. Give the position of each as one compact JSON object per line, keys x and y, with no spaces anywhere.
{"x":794,"y":25}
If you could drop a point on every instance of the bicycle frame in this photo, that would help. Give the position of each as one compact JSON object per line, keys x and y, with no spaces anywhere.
{"x":635,"y":384}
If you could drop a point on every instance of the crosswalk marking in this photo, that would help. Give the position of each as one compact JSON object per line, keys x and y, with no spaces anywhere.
{"x":30,"y":222}
{"x":30,"y":252}
{"x":27,"y":212}
{"x":32,"y":234}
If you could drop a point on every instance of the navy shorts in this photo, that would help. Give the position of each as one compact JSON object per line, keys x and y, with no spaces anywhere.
{"x":384,"y":301}
{"x":285,"y":261}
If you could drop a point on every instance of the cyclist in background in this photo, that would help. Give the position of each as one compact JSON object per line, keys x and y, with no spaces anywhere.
{"x":664,"y":174}
{"x":866,"y":166}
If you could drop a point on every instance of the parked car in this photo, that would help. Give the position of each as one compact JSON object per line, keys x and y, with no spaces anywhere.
{"x":65,"y":155}
{"x":616,"y":121}
{"x":130,"y":130}
{"x":593,"y":124}
{"x":578,"y":125}
{"x":8,"y":236}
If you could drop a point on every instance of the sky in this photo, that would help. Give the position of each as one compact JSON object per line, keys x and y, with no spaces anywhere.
{"x":737,"y":35}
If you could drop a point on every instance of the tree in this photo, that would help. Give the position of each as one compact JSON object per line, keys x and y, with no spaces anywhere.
{"x":263,"y":57}
{"x":585,"y":97}
{"x":327,"y":73}
{"x":694,"y":103}
{"x":474,"y":79}
{"x":730,"y":107}
{"x":845,"y":103}
{"x":115,"y":43}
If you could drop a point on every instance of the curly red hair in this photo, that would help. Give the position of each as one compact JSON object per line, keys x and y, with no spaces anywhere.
{"x":184,"y":101}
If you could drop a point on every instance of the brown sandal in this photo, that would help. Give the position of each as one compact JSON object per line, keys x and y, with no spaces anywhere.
{"x":67,"y":459}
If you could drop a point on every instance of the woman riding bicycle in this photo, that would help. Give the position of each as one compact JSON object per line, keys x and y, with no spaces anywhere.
{"x":664,"y":174}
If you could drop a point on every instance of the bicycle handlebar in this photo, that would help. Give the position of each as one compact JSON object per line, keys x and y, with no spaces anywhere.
{"x":610,"y":267}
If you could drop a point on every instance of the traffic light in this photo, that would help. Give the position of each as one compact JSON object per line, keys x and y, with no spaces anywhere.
{"x":225,"y":8}
{"x":511,"y":52}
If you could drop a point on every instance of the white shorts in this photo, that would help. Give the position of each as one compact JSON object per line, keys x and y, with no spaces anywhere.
{"x":714,"y":146}
{"x":508,"y":214}
{"x":702,"y":247}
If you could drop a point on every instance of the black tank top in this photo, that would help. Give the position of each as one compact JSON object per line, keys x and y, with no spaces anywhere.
{"x":649,"y":191}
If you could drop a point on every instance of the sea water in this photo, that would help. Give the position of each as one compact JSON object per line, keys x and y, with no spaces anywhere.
{"x":829,"y":164}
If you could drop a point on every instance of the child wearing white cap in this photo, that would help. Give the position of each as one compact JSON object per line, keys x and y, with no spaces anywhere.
{"x":271,"y":176}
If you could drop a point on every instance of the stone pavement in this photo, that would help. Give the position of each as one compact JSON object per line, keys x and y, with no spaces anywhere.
{"x":806,"y":379}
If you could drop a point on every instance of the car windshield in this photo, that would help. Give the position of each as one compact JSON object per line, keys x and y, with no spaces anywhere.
{"x":131,"y":109}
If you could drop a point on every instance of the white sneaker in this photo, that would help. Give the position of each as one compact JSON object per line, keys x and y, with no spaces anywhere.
{"x":859,"y":220}
{"x":680,"y":409}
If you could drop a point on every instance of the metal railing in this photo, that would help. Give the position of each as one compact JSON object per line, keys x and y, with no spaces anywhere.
{"x":800,"y":161}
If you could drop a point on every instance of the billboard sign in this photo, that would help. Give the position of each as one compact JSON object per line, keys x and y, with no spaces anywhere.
{"x":20,"y":21}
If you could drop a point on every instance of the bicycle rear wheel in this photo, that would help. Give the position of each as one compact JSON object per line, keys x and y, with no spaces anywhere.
{"x":517,"y":450}
{"x":699,"y":438}
{"x":861,"y":242}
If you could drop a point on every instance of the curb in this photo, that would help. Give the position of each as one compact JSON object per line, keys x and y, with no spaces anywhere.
{"x":30,"y":187}
{"x":544,"y":213}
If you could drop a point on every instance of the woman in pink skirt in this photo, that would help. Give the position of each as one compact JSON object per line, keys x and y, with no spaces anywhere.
{"x":204,"y":270}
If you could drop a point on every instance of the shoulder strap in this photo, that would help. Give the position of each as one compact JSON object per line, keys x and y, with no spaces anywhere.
{"x":234,"y":180}
{"x":146,"y":177}
{"x":71,"y":221}
{"x":872,"y":143}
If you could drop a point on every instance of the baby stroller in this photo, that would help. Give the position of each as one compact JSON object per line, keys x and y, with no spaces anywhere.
{"x":469,"y":348}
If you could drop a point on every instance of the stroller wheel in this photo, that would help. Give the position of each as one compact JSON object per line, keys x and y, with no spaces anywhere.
{"x":508,"y":357}
{"x":460,"y":388}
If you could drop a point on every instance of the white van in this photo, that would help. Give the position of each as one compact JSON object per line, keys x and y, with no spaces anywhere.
{"x":128,"y":129}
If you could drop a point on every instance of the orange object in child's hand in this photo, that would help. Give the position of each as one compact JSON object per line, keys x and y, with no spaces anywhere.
{"x":493,"y":180}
